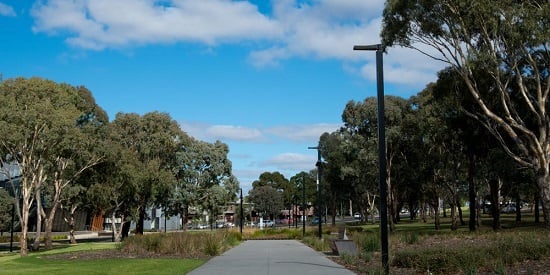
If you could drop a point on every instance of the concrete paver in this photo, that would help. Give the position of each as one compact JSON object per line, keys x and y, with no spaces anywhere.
{"x":257,"y":257}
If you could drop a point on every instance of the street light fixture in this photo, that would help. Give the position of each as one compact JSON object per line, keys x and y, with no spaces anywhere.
{"x":379,"y":48}
{"x":319,"y":187}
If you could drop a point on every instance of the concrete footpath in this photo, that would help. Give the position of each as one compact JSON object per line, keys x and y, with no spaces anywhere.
{"x":258,"y":257}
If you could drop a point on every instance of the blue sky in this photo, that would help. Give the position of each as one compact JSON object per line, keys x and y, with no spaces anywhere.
{"x":265,"y":77}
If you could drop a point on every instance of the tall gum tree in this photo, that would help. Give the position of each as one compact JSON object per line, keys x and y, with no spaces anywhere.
{"x":509,"y":40}
{"x":36,"y":117}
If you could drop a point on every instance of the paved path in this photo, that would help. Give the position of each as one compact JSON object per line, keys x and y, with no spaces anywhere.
{"x":271,"y":257}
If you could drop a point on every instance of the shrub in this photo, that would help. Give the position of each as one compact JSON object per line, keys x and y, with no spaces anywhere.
{"x":183,"y":244}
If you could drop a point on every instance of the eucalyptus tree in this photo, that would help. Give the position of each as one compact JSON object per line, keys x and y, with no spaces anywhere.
{"x":508,"y":41}
{"x":200,"y":166}
{"x":75,"y":154}
{"x":361,"y":118}
{"x":40,"y":121}
{"x":278,"y":182}
{"x":304,"y":189}
{"x":337,"y":183}
{"x":154,"y":140}
{"x":267,"y":200}
{"x":115,"y":181}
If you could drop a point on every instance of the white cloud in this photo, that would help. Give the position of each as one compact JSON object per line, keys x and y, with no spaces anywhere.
{"x":224,"y":133}
{"x":321,"y":29}
{"x":294,"y":133}
{"x":303,"y":133}
{"x":291,"y":161}
{"x":6,"y":10}
{"x":97,"y":24}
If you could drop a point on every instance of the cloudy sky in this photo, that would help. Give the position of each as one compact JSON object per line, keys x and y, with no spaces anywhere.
{"x":267,"y":77}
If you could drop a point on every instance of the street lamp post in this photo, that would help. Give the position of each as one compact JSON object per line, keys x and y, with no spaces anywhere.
{"x":379,"y":48}
{"x":319,"y":187}
{"x":242,"y":213}
{"x":303,"y":206}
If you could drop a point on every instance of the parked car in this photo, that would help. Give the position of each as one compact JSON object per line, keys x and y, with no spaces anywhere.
{"x":201,"y":226}
{"x":316,"y":220}
{"x":266,"y":223}
{"x":357,"y":216}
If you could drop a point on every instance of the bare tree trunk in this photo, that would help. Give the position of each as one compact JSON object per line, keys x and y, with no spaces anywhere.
{"x":39,"y":214}
{"x":372,"y":206}
{"x":437,"y":221}
{"x":454,"y":220}
{"x":543,"y":182}
{"x":72,"y":224}
{"x":423,"y":214}
{"x":24,"y":220}
{"x":49,"y":225}
{"x":118,"y":233}
{"x":494,"y":187}
{"x":536,"y":207}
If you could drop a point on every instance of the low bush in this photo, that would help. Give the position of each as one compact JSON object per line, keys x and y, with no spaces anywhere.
{"x":469,"y":253}
{"x":181,"y":244}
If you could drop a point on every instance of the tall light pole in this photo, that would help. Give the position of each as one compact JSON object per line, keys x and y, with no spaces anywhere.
{"x":379,"y":48}
{"x":319,"y":189}
{"x":303,"y":206}
{"x":242,"y":213}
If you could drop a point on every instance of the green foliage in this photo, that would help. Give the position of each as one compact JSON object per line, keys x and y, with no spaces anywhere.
{"x":317,"y":244}
{"x":181,"y":244}
{"x":367,"y":242}
{"x":491,"y":251}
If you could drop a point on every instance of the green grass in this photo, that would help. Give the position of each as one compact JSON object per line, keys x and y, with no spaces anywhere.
{"x":36,"y":263}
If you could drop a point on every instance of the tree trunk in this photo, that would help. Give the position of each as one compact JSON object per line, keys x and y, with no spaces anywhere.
{"x":494,"y":187}
{"x":140,"y":222}
{"x":24,"y":220}
{"x":125,"y":228}
{"x":437,"y":221}
{"x":543,"y":182}
{"x":38,"y":232}
{"x":333,"y":205}
{"x":423,"y":213}
{"x":536,"y":205}
{"x":472,"y":195}
{"x":391,"y":205}
{"x":119,"y":234}
{"x":454,"y":220}
{"x":49,"y":225}
{"x":72,"y":225}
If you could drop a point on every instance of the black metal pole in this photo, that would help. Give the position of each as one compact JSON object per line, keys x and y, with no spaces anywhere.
{"x":242,"y":213}
{"x":303,"y":206}
{"x":381,"y":150}
{"x":319,"y":189}
{"x":320,"y":186}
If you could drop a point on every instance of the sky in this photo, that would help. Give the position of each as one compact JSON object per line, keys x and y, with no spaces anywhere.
{"x":266,"y":77}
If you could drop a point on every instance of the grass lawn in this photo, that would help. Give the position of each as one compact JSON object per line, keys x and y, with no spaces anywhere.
{"x":38,"y":263}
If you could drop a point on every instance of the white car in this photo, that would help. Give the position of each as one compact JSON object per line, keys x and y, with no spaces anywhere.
{"x":266,"y":223}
